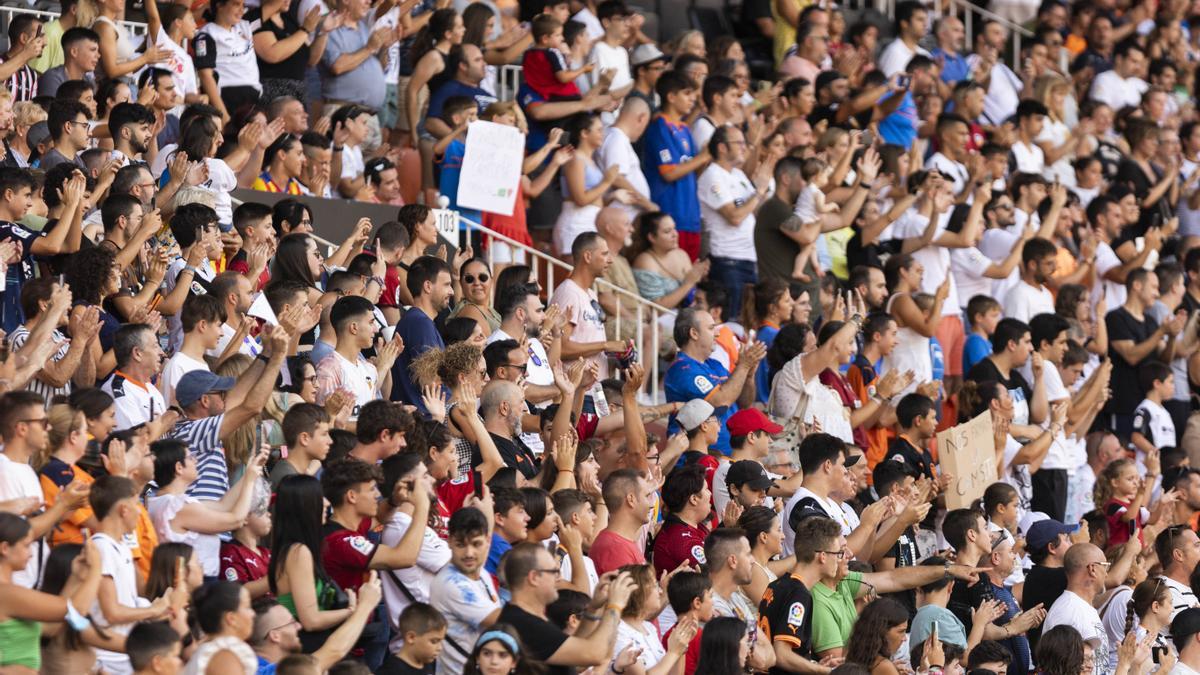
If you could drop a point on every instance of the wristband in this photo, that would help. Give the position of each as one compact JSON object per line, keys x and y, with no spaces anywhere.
{"x":614,"y":608}
{"x":613,"y":667}
{"x":337,"y":148}
{"x":75,"y":620}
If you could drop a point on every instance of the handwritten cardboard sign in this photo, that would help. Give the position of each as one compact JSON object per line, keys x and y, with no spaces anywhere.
{"x":491,"y":170}
{"x":968,"y":453}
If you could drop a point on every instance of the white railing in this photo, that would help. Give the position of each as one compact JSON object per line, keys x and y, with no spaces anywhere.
{"x":509,"y":82}
{"x":556,"y":269}
{"x":7,"y":13}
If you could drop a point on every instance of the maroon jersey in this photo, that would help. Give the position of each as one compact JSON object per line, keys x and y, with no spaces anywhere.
{"x":242,"y":564}
{"x":347,"y":553}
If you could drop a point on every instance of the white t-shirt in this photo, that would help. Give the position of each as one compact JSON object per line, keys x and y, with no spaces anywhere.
{"x":237,"y":63}
{"x":968,"y":265}
{"x":1071,"y":610}
{"x":582,"y":308}
{"x":336,"y":372}
{"x":433,"y":556}
{"x":1182,"y":596}
{"x":174,"y":323}
{"x":595,"y":29}
{"x":1154,"y":422}
{"x":646,"y":640}
{"x":702,"y":131}
{"x":996,"y":244}
{"x":896,"y":55}
{"x":183,"y":70}
{"x":606,"y":57}
{"x":19,"y":480}
{"x":1116,"y":91}
{"x":955,"y":171}
{"x":936,"y":259}
{"x":617,"y":150}
{"x":1056,"y":132}
{"x":1030,"y":158}
{"x":717,"y":188}
{"x":1023,"y":302}
{"x":589,"y":568}
{"x":391,"y":71}
{"x":221,"y":181}
{"x":250,"y":346}
{"x":116,"y":562}
{"x":465,"y":602}
{"x":352,"y":161}
{"x":831,"y":508}
{"x":1107,"y":259}
{"x":1003,"y":94}
{"x":175,"y":368}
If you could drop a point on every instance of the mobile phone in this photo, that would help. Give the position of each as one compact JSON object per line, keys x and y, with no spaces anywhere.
{"x":903,"y":81}
{"x":867,"y":138}
{"x":477,"y":481}
{"x":934,"y":633}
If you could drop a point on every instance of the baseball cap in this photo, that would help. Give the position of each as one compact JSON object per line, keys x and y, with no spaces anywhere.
{"x":197,"y":383}
{"x":1185,"y":624}
{"x":1044,"y":532}
{"x":749,"y":473}
{"x":38,"y":133}
{"x":693,"y":413}
{"x":646,"y":53}
{"x":747,"y":420}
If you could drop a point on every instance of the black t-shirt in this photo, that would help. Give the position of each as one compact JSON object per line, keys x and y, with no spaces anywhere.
{"x":776,"y":251}
{"x":785,"y":615}
{"x":291,"y":68}
{"x":1043,"y":585}
{"x":393,"y":665}
{"x":916,"y":459}
{"x":964,"y":598}
{"x":1127,"y":393}
{"x":515,"y":454}
{"x":905,"y":553}
{"x":540,"y":636}
{"x":1015,"y":383}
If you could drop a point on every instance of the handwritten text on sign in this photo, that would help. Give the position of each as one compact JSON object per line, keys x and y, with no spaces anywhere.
{"x":491,"y":171}
{"x":968,"y":453}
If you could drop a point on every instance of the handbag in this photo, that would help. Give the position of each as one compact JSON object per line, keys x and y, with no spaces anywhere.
{"x":794,"y":428}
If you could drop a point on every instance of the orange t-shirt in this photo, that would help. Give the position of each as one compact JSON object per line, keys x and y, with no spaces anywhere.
{"x":147,"y":541}
{"x":55,"y":477}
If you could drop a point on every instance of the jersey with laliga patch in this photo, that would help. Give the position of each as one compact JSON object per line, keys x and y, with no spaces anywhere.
{"x":347,"y":553}
{"x":785,"y":615}
{"x":451,"y":495}
{"x":1152,"y":421}
{"x":669,"y":144}
{"x":136,"y":402}
{"x":676,"y":543}
{"x":16,"y":274}
{"x":687,"y":379}
{"x":241,"y":564}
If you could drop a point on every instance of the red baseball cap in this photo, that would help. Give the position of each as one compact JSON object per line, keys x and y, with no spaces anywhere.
{"x":746,"y":420}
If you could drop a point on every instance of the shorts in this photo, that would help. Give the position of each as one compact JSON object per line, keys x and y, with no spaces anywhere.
{"x":690,"y":243}
{"x":389,"y":114}
{"x":402,"y":106}
{"x":951,"y":337}
{"x":503,"y":253}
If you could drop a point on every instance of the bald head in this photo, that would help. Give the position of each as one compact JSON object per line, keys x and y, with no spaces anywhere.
{"x":633,"y":107}
{"x":495,"y":393}
{"x":611,"y":219}
{"x":1080,"y":557}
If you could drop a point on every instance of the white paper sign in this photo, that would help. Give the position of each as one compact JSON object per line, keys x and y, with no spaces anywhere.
{"x":491,"y":171}
{"x":261,"y":309}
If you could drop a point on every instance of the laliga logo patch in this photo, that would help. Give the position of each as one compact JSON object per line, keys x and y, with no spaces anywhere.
{"x":698,"y":554}
{"x":703,"y":384}
{"x":231,"y":574}
{"x":796,"y":614}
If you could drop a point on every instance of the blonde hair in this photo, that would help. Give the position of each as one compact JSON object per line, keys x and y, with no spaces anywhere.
{"x":86,"y":13}
{"x":1103,"y":491}
{"x":1046,"y":85}
{"x":457,"y":360}
{"x":27,"y":114}
{"x":62,"y":421}
{"x":497,"y":109}
{"x":240,"y":444}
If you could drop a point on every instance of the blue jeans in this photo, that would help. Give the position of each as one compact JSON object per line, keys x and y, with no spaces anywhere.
{"x":734,"y":275}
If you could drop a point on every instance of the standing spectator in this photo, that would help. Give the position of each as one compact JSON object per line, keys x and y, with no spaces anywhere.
{"x":69,"y":131}
{"x":584,"y":335}
{"x":1122,"y":85}
{"x":728,"y":200}
{"x":1086,"y":569}
{"x":584,"y":185}
{"x":225,"y":59}
{"x":351,"y":70}
{"x":1134,"y":337}
{"x":139,"y":359}
{"x":671,"y":159}
{"x":282,"y":45}
{"x":429,"y":282}
{"x":617,"y":150}
{"x":25,"y":43}
{"x":912,"y":22}
{"x":1030,"y":296}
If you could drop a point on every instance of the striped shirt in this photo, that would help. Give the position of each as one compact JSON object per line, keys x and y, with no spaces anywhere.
{"x":23,"y":84}
{"x":46,"y":391}
{"x":202,"y":437}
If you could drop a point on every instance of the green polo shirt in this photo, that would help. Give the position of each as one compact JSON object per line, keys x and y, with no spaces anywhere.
{"x":834,"y":613}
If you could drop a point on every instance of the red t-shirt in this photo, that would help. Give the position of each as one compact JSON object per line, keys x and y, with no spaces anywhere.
{"x":391,"y":288}
{"x":611,"y":551}
{"x":241,"y":264}
{"x":241,"y":564}
{"x":451,"y":495}
{"x":347,"y":554}
{"x":676,"y":543}
{"x":691,"y":658}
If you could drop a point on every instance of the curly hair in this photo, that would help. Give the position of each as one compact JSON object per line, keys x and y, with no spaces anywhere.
{"x":457,"y":360}
{"x":868,"y":639}
{"x":644,"y":576}
{"x":88,"y":274}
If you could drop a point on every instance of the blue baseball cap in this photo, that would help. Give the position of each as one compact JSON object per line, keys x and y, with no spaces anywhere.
{"x":197,"y":383}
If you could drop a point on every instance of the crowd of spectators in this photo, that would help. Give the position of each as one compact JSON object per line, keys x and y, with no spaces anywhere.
{"x":230,"y":447}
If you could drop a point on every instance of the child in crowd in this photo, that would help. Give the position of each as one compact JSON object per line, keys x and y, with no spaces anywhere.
{"x":983,"y":313}
{"x":546,"y":67}
{"x":154,"y":649}
{"x":448,"y":153}
{"x":811,"y":206}
{"x":424,"y":630}
{"x":690,"y":595}
{"x":1152,"y":424}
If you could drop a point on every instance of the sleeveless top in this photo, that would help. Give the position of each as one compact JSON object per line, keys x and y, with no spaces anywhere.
{"x":653,"y":285}
{"x":489,"y":314}
{"x":911,"y":353}
{"x":592,"y":176}
{"x":125,"y":48}
{"x":22,"y":643}
{"x":441,"y":78}
{"x":207,"y":650}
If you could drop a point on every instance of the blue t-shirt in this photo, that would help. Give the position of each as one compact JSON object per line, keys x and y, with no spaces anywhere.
{"x":265,"y":667}
{"x":668,"y":144}
{"x":954,"y":66}
{"x":449,"y":169}
{"x":687,"y":379}
{"x":539,"y":132}
{"x":437,"y":100}
{"x":762,"y":376}
{"x":500,"y":546}
{"x":976,"y":349}
{"x":900,"y":128}
{"x":419,"y":334}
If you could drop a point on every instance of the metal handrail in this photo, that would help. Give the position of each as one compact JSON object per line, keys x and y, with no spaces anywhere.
{"x":509,"y":72}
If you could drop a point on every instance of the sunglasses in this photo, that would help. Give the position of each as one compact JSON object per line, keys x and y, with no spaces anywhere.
{"x":470,"y":278}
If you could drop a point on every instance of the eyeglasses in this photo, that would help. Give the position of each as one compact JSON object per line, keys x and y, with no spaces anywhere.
{"x":555,"y":571}
{"x":837,"y":554}
{"x":1105,"y":565}
{"x":524,"y":367}
{"x":43,"y":421}
{"x":84,"y":123}
{"x":470,"y":278}
{"x":289,"y":624}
